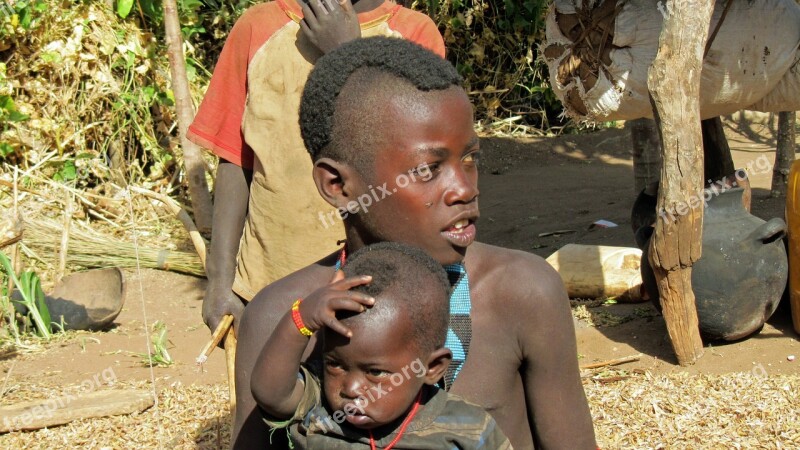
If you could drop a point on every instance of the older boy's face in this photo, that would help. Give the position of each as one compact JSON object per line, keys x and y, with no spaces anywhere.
{"x":428,"y":160}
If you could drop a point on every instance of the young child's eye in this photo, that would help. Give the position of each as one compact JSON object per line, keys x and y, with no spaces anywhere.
{"x":377,"y":373}
{"x":332,"y":365}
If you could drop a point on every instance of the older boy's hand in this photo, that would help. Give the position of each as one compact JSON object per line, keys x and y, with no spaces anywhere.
{"x":219,"y":301}
{"x":329,"y":23}
{"x":319,"y":309}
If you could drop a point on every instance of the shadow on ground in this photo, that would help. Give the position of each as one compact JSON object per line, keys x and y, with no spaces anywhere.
{"x":539,"y":194}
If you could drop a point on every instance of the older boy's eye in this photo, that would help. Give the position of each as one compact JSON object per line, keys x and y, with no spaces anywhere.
{"x":472,"y":157}
{"x":424,"y":171}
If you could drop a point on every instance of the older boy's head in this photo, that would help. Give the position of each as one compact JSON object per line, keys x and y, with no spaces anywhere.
{"x":348,"y":88}
{"x":395,"y":151}
{"x":409,"y":286}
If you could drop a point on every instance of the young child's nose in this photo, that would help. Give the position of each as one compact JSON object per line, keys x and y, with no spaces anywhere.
{"x":352,"y":387}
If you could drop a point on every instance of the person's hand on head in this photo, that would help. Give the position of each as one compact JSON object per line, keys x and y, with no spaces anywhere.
{"x":318,"y":310}
{"x":329,"y":23}
{"x":219,"y":301}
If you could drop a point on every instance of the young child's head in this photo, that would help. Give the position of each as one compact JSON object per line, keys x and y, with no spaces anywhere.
{"x":397,"y":344}
{"x":391,"y":134}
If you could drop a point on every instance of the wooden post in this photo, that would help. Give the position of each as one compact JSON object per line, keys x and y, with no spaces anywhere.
{"x":784,"y":153}
{"x":674,"y":84}
{"x":192,"y":154}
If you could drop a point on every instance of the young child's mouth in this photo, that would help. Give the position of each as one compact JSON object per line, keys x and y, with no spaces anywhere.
{"x":358,"y":419}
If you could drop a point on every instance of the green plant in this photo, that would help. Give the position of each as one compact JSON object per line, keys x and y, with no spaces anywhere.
{"x":30,"y":289}
{"x":494,"y":46}
{"x":159,"y":356}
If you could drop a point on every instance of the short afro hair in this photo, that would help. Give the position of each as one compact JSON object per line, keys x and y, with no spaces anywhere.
{"x":401,"y":62}
{"x":408,"y":281}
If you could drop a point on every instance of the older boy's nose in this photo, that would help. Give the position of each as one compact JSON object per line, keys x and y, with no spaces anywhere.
{"x":462,"y":189}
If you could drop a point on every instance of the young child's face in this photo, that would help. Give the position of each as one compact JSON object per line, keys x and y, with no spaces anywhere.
{"x":375,"y":376}
{"x":436,"y":209}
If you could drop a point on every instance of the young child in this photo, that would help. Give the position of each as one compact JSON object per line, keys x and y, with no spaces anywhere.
{"x":374,"y":112}
{"x":383,"y":331}
{"x":268,"y":217}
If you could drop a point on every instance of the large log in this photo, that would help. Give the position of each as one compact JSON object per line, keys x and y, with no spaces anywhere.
{"x":38,"y":414}
{"x":674,"y":84}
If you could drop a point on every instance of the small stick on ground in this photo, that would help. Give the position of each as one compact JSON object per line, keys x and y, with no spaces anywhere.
{"x":612,"y":362}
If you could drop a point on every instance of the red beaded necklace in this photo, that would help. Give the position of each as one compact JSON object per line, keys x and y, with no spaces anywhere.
{"x":402,"y":428}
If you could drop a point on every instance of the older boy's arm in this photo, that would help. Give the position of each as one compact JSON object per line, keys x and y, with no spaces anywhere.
{"x":274,"y":382}
{"x":231,"y":196}
{"x":555,"y":397}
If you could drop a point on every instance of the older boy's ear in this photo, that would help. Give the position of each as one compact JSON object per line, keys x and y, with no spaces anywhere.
{"x":438,"y":362}
{"x":332,"y":178}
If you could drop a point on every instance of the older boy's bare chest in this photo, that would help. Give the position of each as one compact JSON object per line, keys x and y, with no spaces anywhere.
{"x":491,"y":376}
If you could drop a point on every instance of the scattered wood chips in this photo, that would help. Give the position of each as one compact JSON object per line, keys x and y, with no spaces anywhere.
{"x":682,"y":411}
{"x":640,"y":411}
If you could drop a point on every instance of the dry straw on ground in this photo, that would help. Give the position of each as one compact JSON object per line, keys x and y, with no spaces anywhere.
{"x":91,"y":249}
{"x":676,"y":411}
{"x":682,"y":411}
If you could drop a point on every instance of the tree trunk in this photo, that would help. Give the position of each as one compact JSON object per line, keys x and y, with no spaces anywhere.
{"x":674,"y":84}
{"x":784,"y":154}
{"x":192,"y":154}
{"x":646,"y":152}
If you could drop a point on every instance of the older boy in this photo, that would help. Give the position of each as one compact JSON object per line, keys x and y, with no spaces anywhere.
{"x":266,"y":208}
{"x":373,"y":113}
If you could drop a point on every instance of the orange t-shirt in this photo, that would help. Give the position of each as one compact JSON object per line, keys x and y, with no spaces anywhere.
{"x":249,"y":116}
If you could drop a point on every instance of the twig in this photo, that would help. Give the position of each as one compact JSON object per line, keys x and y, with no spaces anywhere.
{"x":10,"y":233}
{"x":612,"y":362}
{"x":216,"y":338}
{"x":230,"y":360}
{"x":8,"y":375}
{"x":180,"y":212}
{"x":62,"y":256}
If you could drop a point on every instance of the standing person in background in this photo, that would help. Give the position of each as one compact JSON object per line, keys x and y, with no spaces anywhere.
{"x":269,"y":219}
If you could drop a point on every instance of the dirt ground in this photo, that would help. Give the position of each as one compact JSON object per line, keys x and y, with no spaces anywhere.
{"x":528,"y":187}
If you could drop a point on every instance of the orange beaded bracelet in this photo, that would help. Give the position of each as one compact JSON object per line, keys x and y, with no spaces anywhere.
{"x":298,"y":321}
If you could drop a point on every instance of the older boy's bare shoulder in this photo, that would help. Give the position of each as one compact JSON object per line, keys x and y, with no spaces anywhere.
{"x":521,"y":281}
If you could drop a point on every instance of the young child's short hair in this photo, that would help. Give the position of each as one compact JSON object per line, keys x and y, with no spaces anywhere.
{"x":417,"y":285}
{"x":407,"y":65}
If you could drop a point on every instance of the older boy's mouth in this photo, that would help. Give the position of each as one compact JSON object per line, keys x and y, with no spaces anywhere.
{"x":461,"y":233}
